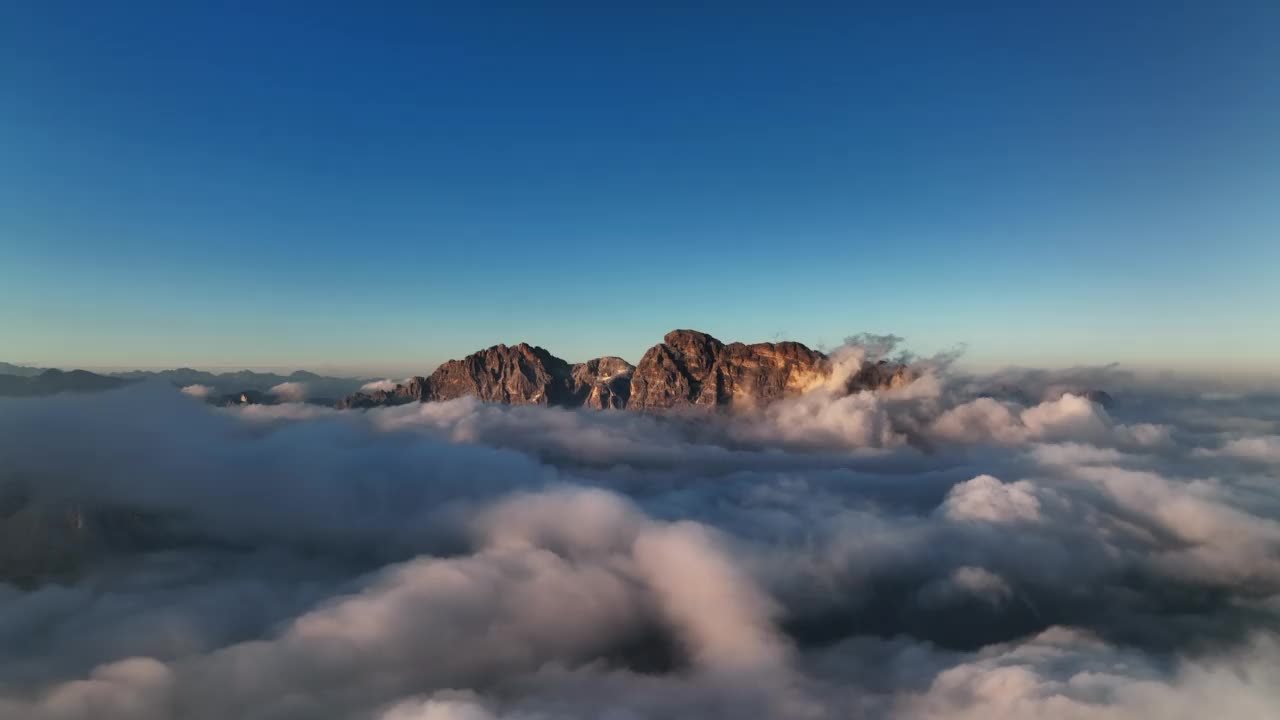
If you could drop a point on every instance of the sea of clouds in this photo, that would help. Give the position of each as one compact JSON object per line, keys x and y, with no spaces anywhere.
{"x":980,"y":547}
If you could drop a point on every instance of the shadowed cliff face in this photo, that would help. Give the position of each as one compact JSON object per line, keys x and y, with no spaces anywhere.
{"x":881,"y":374}
{"x":415,"y":390}
{"x":688,"y":369}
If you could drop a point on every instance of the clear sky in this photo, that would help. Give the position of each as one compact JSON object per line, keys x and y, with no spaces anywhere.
{"x":381,"y":186}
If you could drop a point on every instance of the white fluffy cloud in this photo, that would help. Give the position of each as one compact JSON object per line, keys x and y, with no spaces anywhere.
{"x":200,"y":391}
{"x":294,"y":392}
{"x":986,"y":499}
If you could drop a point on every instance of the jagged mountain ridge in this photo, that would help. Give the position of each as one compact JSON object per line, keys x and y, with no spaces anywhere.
{"x":687,"y":369}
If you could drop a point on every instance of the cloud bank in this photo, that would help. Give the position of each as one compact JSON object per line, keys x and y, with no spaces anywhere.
{"x":961,"y":547}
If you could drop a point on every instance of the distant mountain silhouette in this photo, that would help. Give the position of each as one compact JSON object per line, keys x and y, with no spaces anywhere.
{"x":52,"y":382}
{"x":238,"y":381}
{"x":19,"y":370}
{"x":218,"y":388}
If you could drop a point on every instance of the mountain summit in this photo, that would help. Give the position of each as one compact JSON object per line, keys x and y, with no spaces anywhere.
{"x":688,"y":369}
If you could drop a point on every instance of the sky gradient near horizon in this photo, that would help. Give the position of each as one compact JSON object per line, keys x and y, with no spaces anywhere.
{"x":379,"y":188}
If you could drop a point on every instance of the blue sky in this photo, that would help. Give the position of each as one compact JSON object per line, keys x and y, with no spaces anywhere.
{"x":384,"y":186}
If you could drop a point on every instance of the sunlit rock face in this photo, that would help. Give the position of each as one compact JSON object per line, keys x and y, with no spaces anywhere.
{"x":688,"y":369}
{"x":516,"y":375}
{"x":512,"y":375}
{"x":672,"y":372}
{"x":762,"y":373}
{"x":602,"y":383}
{"x":691,"y":368}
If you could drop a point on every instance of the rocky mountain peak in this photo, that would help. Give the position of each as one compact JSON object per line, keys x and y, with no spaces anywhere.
{"x":522,"y":374}
{"x":697,"y":350}
{"x":603,"y":383}
{"x":691,"y":368}
{"x":687,"y":369}
{"x":414,"y":390}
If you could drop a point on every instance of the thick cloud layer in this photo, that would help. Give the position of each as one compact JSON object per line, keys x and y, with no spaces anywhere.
{"x":962,"y":547}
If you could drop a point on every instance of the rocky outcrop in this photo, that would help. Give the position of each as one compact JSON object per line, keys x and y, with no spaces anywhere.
{"x":671,"y":373}
{"x":602,"y":384}
{"x":246,"y":397}
{"x":513,"y":375}
{"x":749,"y":375}
{"x":878,"y":375}
{"x":1101,"y":397}
{"x":688,"y":369}
{"x":415,"y":390}
{"x":517,"y":375}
